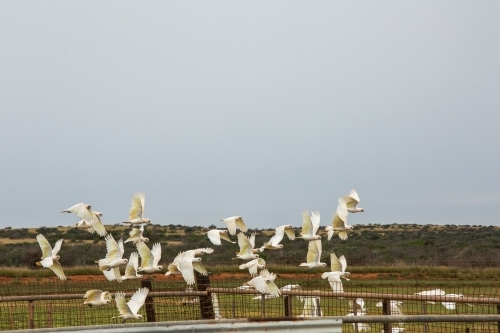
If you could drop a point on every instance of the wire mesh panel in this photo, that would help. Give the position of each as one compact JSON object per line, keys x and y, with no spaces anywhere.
{"x":180,"y":302}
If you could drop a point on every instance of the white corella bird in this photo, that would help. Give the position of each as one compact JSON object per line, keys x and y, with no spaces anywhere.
{"x":339,"y":222}
{"x":149,"y":258}
{"x":50,"y":257}
{"x":357,"y":308}
{"x":83,"y":211}
{"x":310,"y":226}
{"x":114,"y":255}
{"x":90,"y":220}
{"x":312,"y":307}
{"x":434,"y":292}
{"x":215,"y":236}
{"x":338,"y":267}
{"x":132,"y":267}
{"x":254,"y":265}
{"x":136,"y":235}
{"x":246,"y":248}
{"x":136,"y":212}
{"x":265,"y":283}
{"x":274,"y":242}
{"x":396,"y":307}
{"x":186,"y":263}
{"x":234,"y":222}
{"x":96,"y":297}
{"x":314,"y":255}
{"x":352,"y":201}
{"x":129,"y":310}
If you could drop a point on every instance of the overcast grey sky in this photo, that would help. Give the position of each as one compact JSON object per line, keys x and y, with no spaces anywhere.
{"x":253,"y":108}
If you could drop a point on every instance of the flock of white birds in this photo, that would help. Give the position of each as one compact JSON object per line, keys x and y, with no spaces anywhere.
{"x":185,"y":263}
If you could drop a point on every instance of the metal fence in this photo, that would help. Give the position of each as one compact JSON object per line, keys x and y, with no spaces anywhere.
{"x":50,"y":303}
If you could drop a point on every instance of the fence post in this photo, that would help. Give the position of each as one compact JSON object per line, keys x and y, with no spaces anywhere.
{"x":386,"y":309}
{"x":149,"y":303}
{"x":287,"y":300}
{"x":206,"y":305}
{"x":498,"y":312}
{"x":49,"y":315}
{"x":263,"y":305}
{"x":355,"y":313}
{"x":424,"y":311}
{"x":31,"y":310}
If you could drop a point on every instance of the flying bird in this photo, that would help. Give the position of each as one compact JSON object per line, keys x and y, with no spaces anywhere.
{"x":186,"y":262}
{"x":254,"y":265}
{"x":434,"y":292}
{"x":114,"y":254}
{"x":83,"y":211}
{"x":310,"y":226}
{"x":129,"y":310}
{"x":50,"y":257}
{"x":339,"y":222}
{"x":149,"y":258}
{"x":235,"y":222}
{"x":136,"y":235}
{"x":313,"y":255}
{"x":246,"y":248}
{"x":97,"y":297}
{"x":338,"y":267}
{"x":136,"y":212}
{"x":274,"y":242}
{"x":215,"y":236}
{"x":132,"y":266}
{"x":265,"y":283}
{"x":352,"y":200}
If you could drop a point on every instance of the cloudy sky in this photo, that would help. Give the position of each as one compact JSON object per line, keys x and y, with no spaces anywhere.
{"x":253,"y":108}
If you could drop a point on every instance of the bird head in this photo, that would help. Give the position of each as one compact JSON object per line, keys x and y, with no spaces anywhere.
{"x":323,"y":264}
{"x":57,"y":257}
{"x":280,"y":246}
{"x":139,"y":275}
{"x":147,"y":220}
{"x":98,"y":214}
{"x":362,"y":209}
{"x":255,"y":256}
{"x":146,"y":239}
{"x":160,"y":267}
{"x":88,"y":206}
{"x":108,"y":301}
{"x":125,"y":260}
{"x":139,"y":316}
{"x":350,"y":227}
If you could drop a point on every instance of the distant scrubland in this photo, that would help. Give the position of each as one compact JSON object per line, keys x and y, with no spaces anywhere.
{"x":368,"y":245}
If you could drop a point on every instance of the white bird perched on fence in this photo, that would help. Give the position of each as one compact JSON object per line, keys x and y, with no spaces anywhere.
{"x":136,"y":212}
{"x":274,"y":242}
{"x":291,"y":287}
{"x":50,"y":257}
{"x":314,"y":255}
{"x":234,"y":222}
{"x":114,"y":254}
{"x":396,"y":307}
{"x":254,"y":265}
{"x":149,"y":258}
{"x":312,"y":306}
{"x":136,"y":235}
{"x":352,"y":200}
{"x":338,"y":267}
{"x":310,"y":226}
{"x":265,"y":283}
{"x":246,"y":248}
{"x":132,"y":266}
{"x":357,"y":308}
{"x":452,"y":305}
{"x":129,"y":310}
{"x":339,"y":222}
{"x":96,"y":297}
{"x":215,"y":236}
